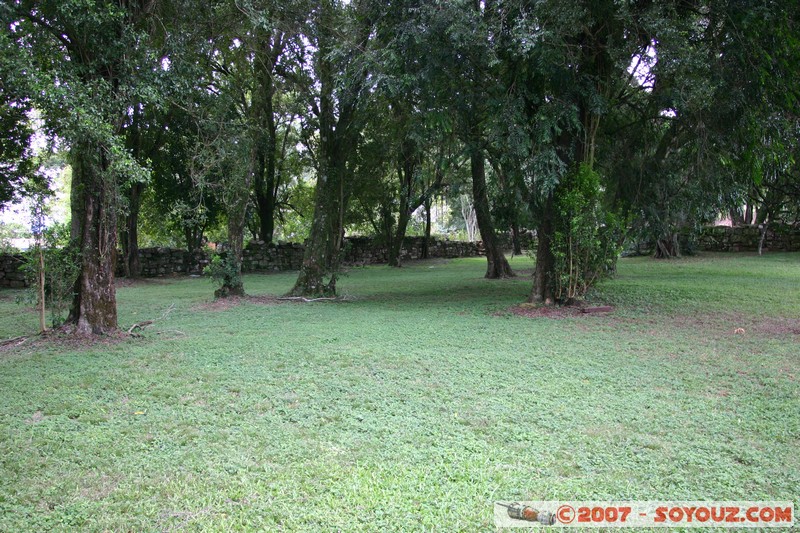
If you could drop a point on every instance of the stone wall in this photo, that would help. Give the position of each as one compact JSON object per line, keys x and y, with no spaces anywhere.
{"x":365,"y":251}
{"x":260,"y":257}
{"x":156,"y":262}
{"x":779,"y":238}
{"x":11,"y":274}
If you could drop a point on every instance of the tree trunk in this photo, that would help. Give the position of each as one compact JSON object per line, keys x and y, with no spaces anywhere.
{"x":762,"y":235}
{"x":238,"y":192}
{"x":266,"y":187}
{"x":94,"y":232}
{"x":668,"y":247}
{"x":426,"y":241}
{"x":748,"y":214}
{"x":497,"y":265}
{"x":542,"y":292}
{"x":396,"y":246}
{"x":515,"y":241}
{"x":130,"y":235}
{"x":193,"y":235}
{"x":736,"y":216}
{"x":338,"y":138}
{"x":327,"y":226}
{"x":233,"y":285}
{"x":324,"y":242}
{"x":266,"y":216}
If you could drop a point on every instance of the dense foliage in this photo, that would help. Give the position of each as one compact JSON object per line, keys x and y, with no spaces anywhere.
{"x":310,"y":119}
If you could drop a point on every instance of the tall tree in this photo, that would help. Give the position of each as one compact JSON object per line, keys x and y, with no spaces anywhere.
{"x":16,"y":132}
{"x":341,"y":35}
{"x":88,"y":59}
{"x":461,"y":69}
{"x":256,"y":45}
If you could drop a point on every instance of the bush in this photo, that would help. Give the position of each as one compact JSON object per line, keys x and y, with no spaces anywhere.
{"x":585,"y":243}
{"x":61,"y":269}
{"x":224,"y":271}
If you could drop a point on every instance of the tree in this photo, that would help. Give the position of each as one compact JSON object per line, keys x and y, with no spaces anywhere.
{"x":708,"y":127}
{"x":461,"y":72}
{"x":16,"y":157}
{"x":88,"y":64}
{"x":341,"y":38}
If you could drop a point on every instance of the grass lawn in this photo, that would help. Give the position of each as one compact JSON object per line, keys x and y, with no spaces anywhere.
{"x":413,"y":406}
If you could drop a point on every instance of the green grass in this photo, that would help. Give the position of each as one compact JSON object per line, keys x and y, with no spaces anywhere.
{"x":414,"y":406}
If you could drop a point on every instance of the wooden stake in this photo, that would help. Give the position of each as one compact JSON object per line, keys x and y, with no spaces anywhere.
{"x":42,"y":323}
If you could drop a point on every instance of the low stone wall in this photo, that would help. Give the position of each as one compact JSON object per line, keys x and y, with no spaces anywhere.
{"x":365,"y":251}
{"x":11,"y":274}
{"x":261,"y":257}
{"x":275,"y":257}
{"x":156,"y":262}
{"x":779,"y":238}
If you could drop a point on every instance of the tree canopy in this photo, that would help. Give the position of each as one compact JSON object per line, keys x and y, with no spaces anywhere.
{"x":587,"y":122}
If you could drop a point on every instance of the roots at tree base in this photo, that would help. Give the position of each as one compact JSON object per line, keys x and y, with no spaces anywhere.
{"x":228,"y":291}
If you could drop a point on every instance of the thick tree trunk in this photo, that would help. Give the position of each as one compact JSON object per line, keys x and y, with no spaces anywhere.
{"x":737,"y":219}
{"x":324,"y":243}
{"x":234,"y":285}
{"x":94,"y":231}
{"x":193,"y":235}
{"x":238,"y":197}
{"x":542,"y":292}
{"x":327,"y":226}
{"x":266,"y":216}
{"x":406,"y":168}
{"x":668,"y":247}
{"x":748,"y":214}
{"x":497,"y":265}
{"x":338,"y":138}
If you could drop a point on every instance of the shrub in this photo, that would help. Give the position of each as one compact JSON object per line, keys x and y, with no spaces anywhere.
{"x":61,"y":269}
{"x":224,"y":271}
{"x":585,"y":243}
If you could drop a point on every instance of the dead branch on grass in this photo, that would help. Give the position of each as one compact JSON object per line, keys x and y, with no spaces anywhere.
{"x":16,"y":341}
{"x":147,"y":323}
{"x":306,"y":300}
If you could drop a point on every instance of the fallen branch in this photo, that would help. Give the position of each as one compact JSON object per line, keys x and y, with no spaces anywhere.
{"x":15,"y":341}
{"x":147,"y":323}
{"x":344,"y":298}
{"x":304,"y":299}
{"x":598,"y":309}
{"x":140,"y":325}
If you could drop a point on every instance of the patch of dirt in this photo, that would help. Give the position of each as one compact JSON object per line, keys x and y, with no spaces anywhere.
{"x":97,"y":487}
{"x":717,"y":325}
{"x":559,"y":311}
{"x":738,"y":324}
{"x":63,"y":337}
{"x":224,"y":304}
{"x":777,"y":326}
{"x":35,"y":418}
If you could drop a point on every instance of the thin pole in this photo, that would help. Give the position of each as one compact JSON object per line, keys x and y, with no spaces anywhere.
{"x":42,"y":324}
